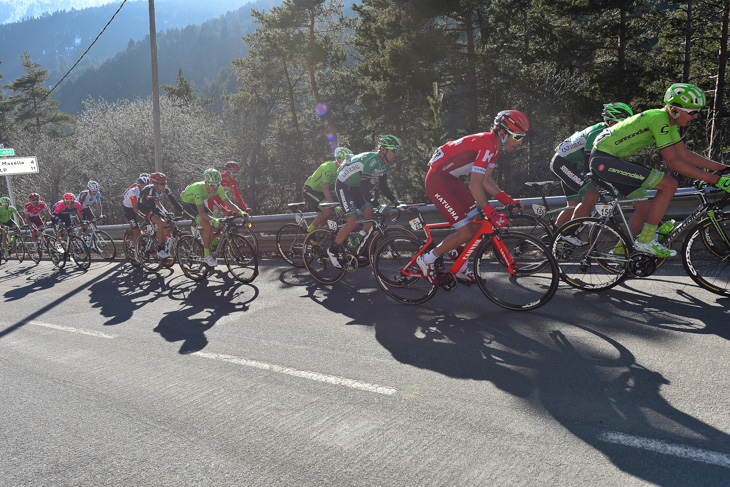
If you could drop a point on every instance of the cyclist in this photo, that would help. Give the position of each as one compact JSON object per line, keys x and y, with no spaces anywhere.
{"x":193,"y":202}
{"x":659,"y":127}
{"x":6,"y":220}
{"x":32,"y":211}
{"x":475,"y":156}
{"x":61,"y":214}
{"x":229,"y":181}
{"x":319,"y":188}
{"x":570,"y":165}
{"x":352,"y":187}
{"x":88,"y":197}
{"x":150,"y":205}
{"x":130,"y":204}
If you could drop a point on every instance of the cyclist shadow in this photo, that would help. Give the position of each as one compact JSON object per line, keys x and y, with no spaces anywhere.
{"x":41,"y":278}
{"x":125,"y":291}
{"x":203,"y":305}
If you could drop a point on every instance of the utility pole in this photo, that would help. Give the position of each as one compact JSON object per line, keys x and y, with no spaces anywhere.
{"x":155,"y":90}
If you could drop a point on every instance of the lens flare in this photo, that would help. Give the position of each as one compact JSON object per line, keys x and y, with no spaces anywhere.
{"x":321,"y":109}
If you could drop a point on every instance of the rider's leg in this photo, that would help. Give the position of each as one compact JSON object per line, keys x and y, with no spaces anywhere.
{"x":321,"y":218}
{"x":566,"y":215}
{"x":587,"y":203}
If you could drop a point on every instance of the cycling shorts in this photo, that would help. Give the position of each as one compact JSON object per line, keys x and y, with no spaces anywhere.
{"x":64,"y":218}
{"x":191,"y":210}
{"x":131,"y":217}
{"x":313,"y":199}
{"x":573,"y":180}
{"x":34,"y":220}
{"x":10,"y":224}
{"x":452,"y":199}
{"x":351,"y":198}
{"x":148,"y":212}
{"x":630,"y":179}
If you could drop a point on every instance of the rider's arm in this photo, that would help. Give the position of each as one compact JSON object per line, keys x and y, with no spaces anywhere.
{"x":237,"y":195}
{"x":327,"y":193}
{"x":478,"y":186}
{"x":385,"y":189}
{"x":682,"y":160}
{"x":174,"y":202}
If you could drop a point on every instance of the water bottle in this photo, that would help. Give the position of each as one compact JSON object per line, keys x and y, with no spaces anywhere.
{"x":351,"y":242}
{"x":168,"y":243}
{"x":664,"y":230}
{"x":214,"y":244}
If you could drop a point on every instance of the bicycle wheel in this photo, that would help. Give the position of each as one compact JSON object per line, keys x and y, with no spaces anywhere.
{"x":289,"y":243}
{"x":189,"y":253}
{"x":246,"y":231}
{"x":129,"y":250}
{"x":33,"y":249}
{"x":58,"y":258}
{"x":18,"y":247}
{"x":706,"y":255}
{"x":533,"y":226}
{"x":146,"y":248}
{"x":240,"y":258}
{"x":533,"y":282}
{"x":103,"y":244}
{"x":391,"y":231}
{"x":315,"y":257}
{"x":397,"y":273}
{"x":79,"y":252}
{"x":600,"y":262}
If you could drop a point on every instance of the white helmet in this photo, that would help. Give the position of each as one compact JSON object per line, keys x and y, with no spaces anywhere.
{"x":93,"y":185}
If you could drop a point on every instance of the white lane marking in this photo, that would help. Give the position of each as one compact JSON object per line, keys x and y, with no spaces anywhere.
{"x":304,"y":374}
{"x":681,"y":451}
{"x":71,"y":329}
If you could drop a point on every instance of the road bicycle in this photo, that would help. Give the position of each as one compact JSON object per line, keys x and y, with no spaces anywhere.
{"x":128,"y":244}
{"x":514,"y":270}
{"x":146,"y":247}
{"x":238,"y":253}
{"x":15,"y":243}
{"x":608,"y":254}
{"x":356,"y":254}
{"x":36,"y":247}
{"x":290,"y":237}
{"x":98,"y":240}
{"x":70,"y":245}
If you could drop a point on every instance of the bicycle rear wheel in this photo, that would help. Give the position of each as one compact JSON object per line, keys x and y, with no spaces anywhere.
{"x":189,"y":252}
{"x":147,"y":252}
{"x":80,"y":252}
{"x":706,"y":255}
{"x":536,"y":274}
{"x":391,"y":231}
{"x":241,"y":258}
{"x":598,"y":263}
{"x":33,"y":249}
{"x":289,"y":243}
{"x":397,"y":273}
{"x":533,"y":226}
{"x":315,"y":257}
{"x":104,"y":245}
{"x":129,"y":250}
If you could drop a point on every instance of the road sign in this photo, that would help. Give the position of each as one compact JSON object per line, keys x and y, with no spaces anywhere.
{"x":18,"y":165}
{"x":7,"y":152}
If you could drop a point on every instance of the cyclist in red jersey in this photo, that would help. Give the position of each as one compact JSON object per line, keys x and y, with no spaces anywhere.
{"x":475,"y":155}
{"x":229,"y":181}
{"x":32,"y":212}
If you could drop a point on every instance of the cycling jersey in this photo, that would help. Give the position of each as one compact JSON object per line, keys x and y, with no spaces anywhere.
{"x":230,"y":182}
{"x":197,"y":193}
{"x":61,"y":208}
{"x":86,"y":199}
{"x":30,"y":209}
{"x":473,"y":153}
{"x":578,"y":146}
{"x":363,"y":168}
{"x":149,"y":196}
{"x":571,"y":160}
{"x":325,"y":174}
{"x":645,"y":129}
{"x":6,"y":214}
{"x":131,"y":195}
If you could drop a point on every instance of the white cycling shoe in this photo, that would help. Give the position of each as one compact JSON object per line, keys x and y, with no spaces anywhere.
{"x":210,"y":261}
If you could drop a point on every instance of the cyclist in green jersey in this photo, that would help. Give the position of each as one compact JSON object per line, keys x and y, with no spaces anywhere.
{"x":570,"y":165}
{"x":659,"y":127}
{"x":6,"y":219}
{"x":353,"y":188}
{"x":193,"y":202}
{"x":320,"y":186}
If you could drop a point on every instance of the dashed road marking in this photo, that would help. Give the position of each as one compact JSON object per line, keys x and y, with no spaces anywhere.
{"x":71,"y":329}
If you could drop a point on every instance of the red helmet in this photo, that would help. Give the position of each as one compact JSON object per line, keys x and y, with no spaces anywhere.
{"x":34,"y":196}
{"x":158,"y":177}
{"x":69,"y":197}
{"x":232,"y":166}
{"x":512,"y":121}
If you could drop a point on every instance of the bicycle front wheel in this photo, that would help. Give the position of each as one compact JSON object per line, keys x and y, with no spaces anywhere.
{"x":58,"y":258}
{"x":147,"y":252}
{"x":315,"y":257}
{"x":706,"y":255}
{"x":534,"y":277}
{"x":18,"y":248}
{"x":592,"y":255}
{"x":129,"y":250}
{"x":289,"y":243}
{"x":80,"y":252}
{"x":32,"y":248}
{"x":104,"y":245}
{"x":396,"y":271}
{"x":189,"y":252}
{"x":241,"y":258}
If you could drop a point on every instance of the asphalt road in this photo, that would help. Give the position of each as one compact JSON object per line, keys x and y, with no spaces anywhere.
{"x":116,"y":377}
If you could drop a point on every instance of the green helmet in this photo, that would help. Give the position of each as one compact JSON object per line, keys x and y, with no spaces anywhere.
{"x":616,"y":112}
{"x":389,"y":142}
{"x":4,"y":200}
{"x":685,"y":95}
{"x":342,"y":152}
{"x":212,"y":176}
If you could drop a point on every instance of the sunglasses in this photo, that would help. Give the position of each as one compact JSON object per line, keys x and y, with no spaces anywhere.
{"x":35,"y":201}
{"x":518,"y":137}
{"x":395,"y":151}
{"x":690,"y":111}
{"x":233,"y":172}
{"x":164,"y":183}
{"x":213,"y":185}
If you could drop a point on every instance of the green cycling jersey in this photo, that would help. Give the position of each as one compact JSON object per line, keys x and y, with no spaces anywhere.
{"x":197,"y":193}
{"x":645,"y":129}
{"x":367,"y":165}
{"x":7,"y":213}
{"x":579,"y":145}
{"x":325,"y":174}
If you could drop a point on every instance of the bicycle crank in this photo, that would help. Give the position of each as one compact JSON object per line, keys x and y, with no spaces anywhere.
{"x":641,"y":265}
{"x":351,"y":263}
{"x":447,"y":280}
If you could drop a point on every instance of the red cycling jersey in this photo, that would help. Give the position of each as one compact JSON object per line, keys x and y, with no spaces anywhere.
{"x":32,"y":210}
{"x":230,"y":182}
{"x":471,"y":153}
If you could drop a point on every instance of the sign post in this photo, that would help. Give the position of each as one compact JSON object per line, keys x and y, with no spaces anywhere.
{"x":15,"y":165}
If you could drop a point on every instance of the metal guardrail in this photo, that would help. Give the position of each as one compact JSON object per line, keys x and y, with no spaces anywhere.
{"x":265,"y":226}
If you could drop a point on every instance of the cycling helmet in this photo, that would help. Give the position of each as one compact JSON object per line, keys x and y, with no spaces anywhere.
{"x":616,"y":112}
{"x":232,"y":166}
{"x":34,"y":196}
{"x":389,"y":142}
{"x":158,"y":177}
{"x":144,"y":179}
{"x":93,"y":185}
{"x":68,"y":197}
{"x":342,"y":152}
{"x":512,"y":121}
{"x":4,"y":200}
{"x":685,"y":95}
{"x":212,"y":176}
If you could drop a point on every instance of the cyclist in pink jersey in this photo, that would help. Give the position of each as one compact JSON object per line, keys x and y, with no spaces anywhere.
{"x":475,"y":156}
{"x":61,"y":214}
